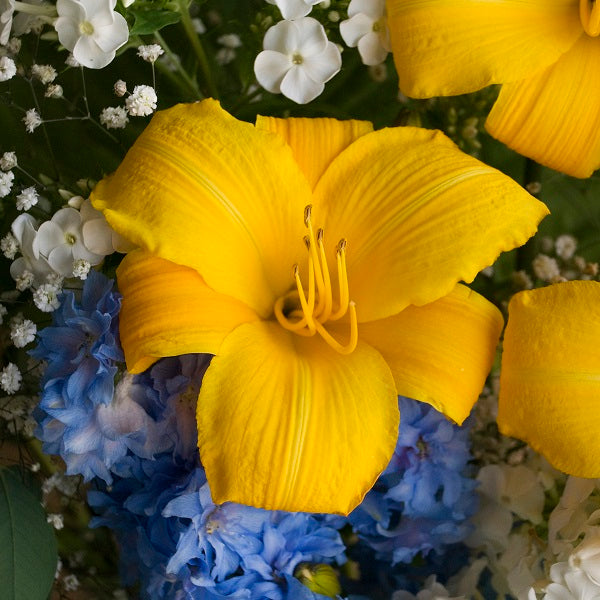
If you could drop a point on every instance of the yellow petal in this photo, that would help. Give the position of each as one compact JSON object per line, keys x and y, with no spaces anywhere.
{"x":419,"y":215}
{"x":550,"y":378}
{"x":554,"y":117}
{"x":168,"y":310}
{"x":204,"y":190}
{"x":287,"y":423}
{"x":447,"y":47}
{"x":440,"y":353}
{"x":315,"y":142}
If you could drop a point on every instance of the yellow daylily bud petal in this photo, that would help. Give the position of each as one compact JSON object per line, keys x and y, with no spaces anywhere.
{"x":440,"y":353}
{"x":554,"y":117}
{"x":168,"y":310}
{"x":315,"y":142}
{"x":285,"y":422}
{"x":419,"y":216}
{"x":550,"y":378}
{"x":192,"y":190}
{"x":447,"y":47}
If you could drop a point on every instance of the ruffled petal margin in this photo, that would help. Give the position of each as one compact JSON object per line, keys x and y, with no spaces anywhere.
{"x":168,"y":310}
{"x":287,"y":423}
{"x":440,"y":353}
{"x":419,"y":216}
{"x":550,"y":378}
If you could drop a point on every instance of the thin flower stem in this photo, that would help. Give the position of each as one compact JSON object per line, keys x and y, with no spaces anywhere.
{"x":175,"y":61}
{"x":188,"y":26}
{"x":27,"y":174}
{"x":46,"y":136}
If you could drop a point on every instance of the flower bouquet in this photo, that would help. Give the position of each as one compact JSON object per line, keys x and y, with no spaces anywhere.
{"x":284,"y":310}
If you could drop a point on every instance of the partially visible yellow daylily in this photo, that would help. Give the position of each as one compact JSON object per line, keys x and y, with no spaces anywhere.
{"x":318,"y":261}
{"x":546,"y":53}
{"x":550,"y":378}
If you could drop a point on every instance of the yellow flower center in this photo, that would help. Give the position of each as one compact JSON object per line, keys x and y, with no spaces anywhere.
{"x":589,"y":13}
{"x":297,"y":58}
{"x":307,"y":315}
{"x":86,"y":28}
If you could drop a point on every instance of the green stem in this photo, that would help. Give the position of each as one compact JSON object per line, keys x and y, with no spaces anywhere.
{"x":188,"y":26}
{"x":175,"y":61}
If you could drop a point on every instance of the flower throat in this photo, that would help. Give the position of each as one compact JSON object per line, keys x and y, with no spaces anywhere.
{"x":307,"y":314}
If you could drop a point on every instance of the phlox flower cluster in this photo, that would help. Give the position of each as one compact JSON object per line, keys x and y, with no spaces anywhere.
{"x":423,"y":500}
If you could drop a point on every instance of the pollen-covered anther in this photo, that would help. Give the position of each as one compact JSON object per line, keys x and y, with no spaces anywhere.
{"x":589,"y":13}
{"x":307,"y":313}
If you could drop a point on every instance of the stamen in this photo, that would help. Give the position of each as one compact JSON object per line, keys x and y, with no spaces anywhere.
{"x":323,"y":315}
{"x":312,"y":247}
{"x":306,"y":309}
{"x":351,"y":345}
{"x":342,"y":281}
{"x":284,"y":321}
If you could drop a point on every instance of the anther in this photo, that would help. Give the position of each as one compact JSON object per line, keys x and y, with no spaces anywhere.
{"x":306,"y":242}
{"x":307,"y":211}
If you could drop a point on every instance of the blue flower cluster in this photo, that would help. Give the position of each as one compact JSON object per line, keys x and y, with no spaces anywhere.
{"x":183,"y":546}
{"x":424,"y":498}
{"x":82,"y":350}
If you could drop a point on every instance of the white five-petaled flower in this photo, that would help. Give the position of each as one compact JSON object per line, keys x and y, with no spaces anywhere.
{"x":60,"y":240}
{"x":91,"y":29}
{"x":297,"y":60}
{"x":367,"y":28}
{"x":8,"y":69}
{"x":294,"y":9}
{"x":98,"y":236}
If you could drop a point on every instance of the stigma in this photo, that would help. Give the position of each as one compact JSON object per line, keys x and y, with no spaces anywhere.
{"x":306,"y":310}
{"x":589,"y":13}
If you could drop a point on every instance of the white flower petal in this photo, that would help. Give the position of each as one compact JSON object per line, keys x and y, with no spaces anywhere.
{"x":312,"y":38}
{"x":97,"y":236}
{"x":48,"y":236}
{"x":113,"y":36}
{"x":299,"y":87}
{"x":61,"y":260}
{"x":71,"y":10}
{"x":371,"y":8}
{"x":68,"y":32}
{"x":355,"y":28}
{"x":68,"y":219}
{"x":371,"y":50}
{"x":282,"y":37}
{"x":293,"y":9}
{"x":90,"y":55}
{"x":270,"y":68}
{"x":322,"y":67}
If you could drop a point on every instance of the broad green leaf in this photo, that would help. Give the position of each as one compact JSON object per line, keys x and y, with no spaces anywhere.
{"x":28,"y":554}
{"x":150,"y":21}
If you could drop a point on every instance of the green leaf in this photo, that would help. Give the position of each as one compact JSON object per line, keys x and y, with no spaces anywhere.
{"x":150,"y":21}
{"x":28,"y":553}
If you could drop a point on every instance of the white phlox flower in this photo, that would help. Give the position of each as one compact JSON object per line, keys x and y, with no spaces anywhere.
{"x":98,"y":236}
{"x":297,"y":60}
{"x":142,"y":101}
{"x":367,"y":28}
{"x":8,"y":69}
{"x":24,"y":231}
{"x":91,"y":29}
{"x":294,"y":9}
{"x":569,"y":584}
{"x":60,"y":240}
{"x":586,"y":557}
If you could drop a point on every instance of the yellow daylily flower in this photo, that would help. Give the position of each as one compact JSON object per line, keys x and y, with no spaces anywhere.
{"x":550,"y":377}
{"x":545,"y":53}
{"x":318,"y":261}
